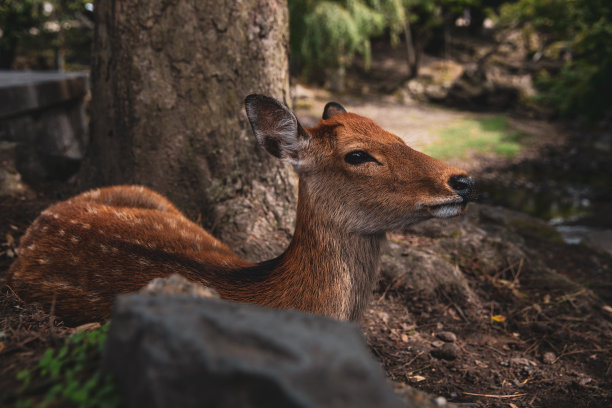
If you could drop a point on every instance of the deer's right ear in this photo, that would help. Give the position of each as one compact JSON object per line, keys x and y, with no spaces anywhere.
{"x":276,"y":127}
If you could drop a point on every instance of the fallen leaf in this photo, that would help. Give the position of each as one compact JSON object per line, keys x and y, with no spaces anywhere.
{"x":404,"y":337}
{"x":498,"y":318}
{"x":10,"y":241}
{"x":87,"y":326}
{"x":417,"y":378}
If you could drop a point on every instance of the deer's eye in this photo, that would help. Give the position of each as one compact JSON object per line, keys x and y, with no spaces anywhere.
{"x":358,"y":157}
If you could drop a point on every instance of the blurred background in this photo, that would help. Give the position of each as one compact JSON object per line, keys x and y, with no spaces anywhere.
{"x":518,"y":92}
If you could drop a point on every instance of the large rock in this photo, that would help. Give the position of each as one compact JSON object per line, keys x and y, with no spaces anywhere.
{"x":182,"y":351}
{"x":43,"y":114}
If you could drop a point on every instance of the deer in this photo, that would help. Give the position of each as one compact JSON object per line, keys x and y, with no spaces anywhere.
{"x":356,"y":182}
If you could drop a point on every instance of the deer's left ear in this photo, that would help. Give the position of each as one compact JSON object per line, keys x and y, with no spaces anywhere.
{"x":276,"y":127}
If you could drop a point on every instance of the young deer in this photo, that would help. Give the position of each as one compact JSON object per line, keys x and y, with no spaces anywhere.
{"x":356,"y":181}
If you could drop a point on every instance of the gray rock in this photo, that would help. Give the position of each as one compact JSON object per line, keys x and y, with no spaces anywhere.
{"x":177,"y":284}
{"x":183,"y":351}
{"x":447,"y":336}
{"x":44,"y":114}
{"x":448,"y":351}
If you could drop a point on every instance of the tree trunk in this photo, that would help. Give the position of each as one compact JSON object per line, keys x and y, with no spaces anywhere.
{"x":168,"y":84}
{"x":412,"y":52}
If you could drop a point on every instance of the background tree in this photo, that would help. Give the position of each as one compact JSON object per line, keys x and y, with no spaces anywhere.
{"x":17,"y":18}
{"x":168,"y":84}
{"x":49,"y":33}
{"x":326,"y":35}
{"x":578,"y":34}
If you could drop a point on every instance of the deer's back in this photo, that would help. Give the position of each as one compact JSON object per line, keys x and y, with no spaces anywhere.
{"x":80,"y":253}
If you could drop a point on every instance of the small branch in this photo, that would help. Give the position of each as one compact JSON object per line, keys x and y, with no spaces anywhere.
{"x":494,"y":396}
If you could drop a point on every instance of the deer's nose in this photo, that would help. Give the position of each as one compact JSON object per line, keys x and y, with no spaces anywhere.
{"x":463,"y":186}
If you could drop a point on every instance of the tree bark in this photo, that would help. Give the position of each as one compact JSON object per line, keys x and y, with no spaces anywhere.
{"x":168,"y":83}
{"x":413,"y":56}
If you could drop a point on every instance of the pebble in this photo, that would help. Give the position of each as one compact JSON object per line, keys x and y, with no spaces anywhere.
{"x":549,"y":357}
{"x":437,"y":343}
{"x":439,"y":401}
{"x":447,"y":336}
{"x":448,"y":351}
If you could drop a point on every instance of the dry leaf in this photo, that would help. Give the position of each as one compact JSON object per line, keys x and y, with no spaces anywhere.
{"x":498,"y":318}
{"x":404,"y":337}
{"x":87,"y":326}
{"x":10,"y":241}
{"x":417,"y":378}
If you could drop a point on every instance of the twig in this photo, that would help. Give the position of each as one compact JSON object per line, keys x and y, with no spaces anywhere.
{"x":413,"y":359}
{"x":391,"y":286}
{"x":494,"y":396}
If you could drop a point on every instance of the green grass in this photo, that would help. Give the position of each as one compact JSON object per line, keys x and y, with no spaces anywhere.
{"x":477,"y":135}
{"x":70,"y":376}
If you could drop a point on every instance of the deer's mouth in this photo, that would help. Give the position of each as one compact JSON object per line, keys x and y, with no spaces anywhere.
{"x":446,"y":210}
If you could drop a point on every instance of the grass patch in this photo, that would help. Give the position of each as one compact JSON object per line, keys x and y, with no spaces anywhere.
{"x":477,"y":135}
{"x":70,"y":376}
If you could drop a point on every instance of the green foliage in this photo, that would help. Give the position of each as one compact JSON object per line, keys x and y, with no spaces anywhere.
{"x":70,"y":376}
{"x":482,"y":135}
{"x":328,"y":34}
{"x":39,"y":28}
{"x":580,"y":32}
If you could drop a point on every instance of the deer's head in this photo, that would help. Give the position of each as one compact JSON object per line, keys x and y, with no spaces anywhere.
{"x":355,"y":173}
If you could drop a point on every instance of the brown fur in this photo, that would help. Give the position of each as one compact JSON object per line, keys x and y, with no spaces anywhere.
{"x":80,"y":253}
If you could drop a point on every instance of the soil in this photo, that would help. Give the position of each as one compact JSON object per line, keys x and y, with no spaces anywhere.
{"x":539,"y":346}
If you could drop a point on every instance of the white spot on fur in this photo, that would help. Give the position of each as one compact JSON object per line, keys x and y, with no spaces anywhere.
{"x":45,"y":229}
{"x":85,"y":226}
{"x":75,"y":239}
{"x":158,"y":226}
{"x":91,"y":210}
{"x":103,"y":248}
{"x":74,"y":260}
{"x":94,"y":194}
{"x":61,"y":232}
{"x":31,"y":247}
{"x":114,"y":250}
{"x":122,"y":216}
{"x":43,"y":261}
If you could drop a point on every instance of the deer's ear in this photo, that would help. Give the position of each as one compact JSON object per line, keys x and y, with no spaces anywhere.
{"x":276,"y":127}
{"x":331,"y":109}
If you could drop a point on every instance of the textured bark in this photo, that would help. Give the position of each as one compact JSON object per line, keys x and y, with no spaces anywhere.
{"x":168,"y":83}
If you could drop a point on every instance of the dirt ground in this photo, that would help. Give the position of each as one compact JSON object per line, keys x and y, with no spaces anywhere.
{"x":555,"y":353}
{"x":548,"y":349}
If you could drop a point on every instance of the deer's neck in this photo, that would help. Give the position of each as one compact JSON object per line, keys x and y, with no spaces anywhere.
{"x":326,"y":269}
